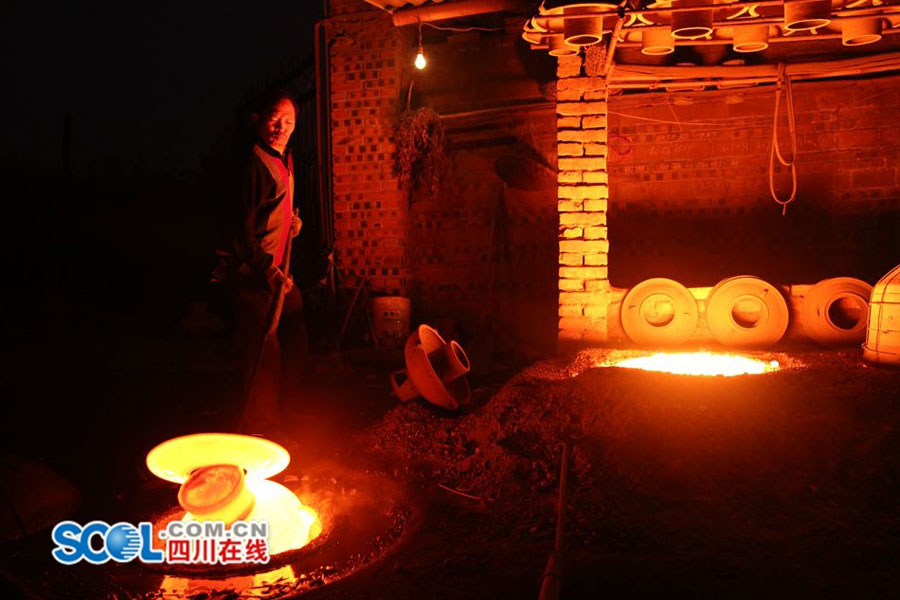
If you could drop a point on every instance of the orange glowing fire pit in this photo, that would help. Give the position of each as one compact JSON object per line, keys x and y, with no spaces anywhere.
{"x":694,"y":363}
{"x":225,"y":477}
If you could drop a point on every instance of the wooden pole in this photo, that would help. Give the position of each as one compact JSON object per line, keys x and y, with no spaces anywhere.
{"x":551,"y":583}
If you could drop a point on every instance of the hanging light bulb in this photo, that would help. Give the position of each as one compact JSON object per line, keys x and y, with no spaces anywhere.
{"x":420,"y":61}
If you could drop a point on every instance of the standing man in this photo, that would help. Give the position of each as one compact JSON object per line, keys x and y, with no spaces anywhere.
{"x":264,"y":221}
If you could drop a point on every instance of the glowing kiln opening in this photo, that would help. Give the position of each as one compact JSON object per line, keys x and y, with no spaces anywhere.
{"x":225,"y":477}
{"x":696,"y":363}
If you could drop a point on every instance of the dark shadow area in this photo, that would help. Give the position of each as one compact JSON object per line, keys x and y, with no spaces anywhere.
{"x":700,"y":247}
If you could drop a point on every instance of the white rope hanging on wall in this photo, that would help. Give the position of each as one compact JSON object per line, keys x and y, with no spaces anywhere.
{"x":784,"y":84}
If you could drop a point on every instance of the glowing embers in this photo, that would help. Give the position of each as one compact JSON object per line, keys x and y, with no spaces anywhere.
{"x":270,"y":584}
{"x":224,"y":477}
{"x":363,"y":515}
{"x":695,"y":363}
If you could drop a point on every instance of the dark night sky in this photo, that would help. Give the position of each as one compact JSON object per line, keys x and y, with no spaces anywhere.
{"x":161,"y":79}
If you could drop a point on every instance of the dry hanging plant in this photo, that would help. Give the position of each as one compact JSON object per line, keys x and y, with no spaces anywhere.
{"x":421,"y":160}
{"x":594,"y":57}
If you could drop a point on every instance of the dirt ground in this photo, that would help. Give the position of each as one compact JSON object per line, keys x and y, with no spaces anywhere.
{"x":783,"y":484}
{"x":776,"y":484}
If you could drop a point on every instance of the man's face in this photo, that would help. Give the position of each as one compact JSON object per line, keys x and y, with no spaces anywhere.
{"x":276,"y":127}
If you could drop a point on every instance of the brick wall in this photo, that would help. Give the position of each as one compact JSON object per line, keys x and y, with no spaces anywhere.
{"x":582,"y":194}
{"x":366,"y":56}
{"x":484,"y":253}
{"x":689,"y":192}
{"x":690,"y":196}
{"x":684,"y":176}
{"x":688,"y":177}
{"x":479,"y":258}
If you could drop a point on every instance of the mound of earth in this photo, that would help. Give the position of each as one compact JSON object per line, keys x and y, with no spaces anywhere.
{"x":809,"y":454}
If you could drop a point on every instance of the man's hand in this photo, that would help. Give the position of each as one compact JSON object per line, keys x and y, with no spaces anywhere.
{"x":296,"y":224}
{"x":276,"y":277}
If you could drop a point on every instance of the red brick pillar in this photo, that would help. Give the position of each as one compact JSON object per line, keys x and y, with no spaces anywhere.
{"x":366,"y":60}
{"x":583,"y":192}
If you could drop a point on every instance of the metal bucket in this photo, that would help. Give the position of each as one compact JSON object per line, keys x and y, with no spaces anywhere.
{"x":391,"y":320}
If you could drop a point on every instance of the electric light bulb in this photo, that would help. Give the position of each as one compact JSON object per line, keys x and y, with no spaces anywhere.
{"x":420,"y":60}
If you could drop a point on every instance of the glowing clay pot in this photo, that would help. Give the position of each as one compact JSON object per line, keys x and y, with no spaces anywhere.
{"x":751,"y":38}
{"x":434,"y":370}
{"x":559,"y":47}
{"x":583,"y":31}
{"x":693,"y":24}
{"x":216,"y":493}
{"x":800,"y":15}
{"x":657,"y":42}
{"x":659,"y":312}
{"x":746,"y":311}
{"x":859,"y":32}
{"x":834,"y":311}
